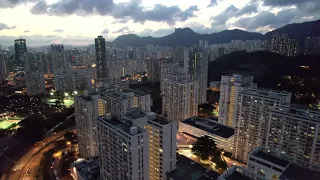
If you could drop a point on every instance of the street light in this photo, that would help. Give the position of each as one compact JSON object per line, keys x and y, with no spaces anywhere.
{"x":66,"y":94}
{"x":51,"y":93}
{"x":75,"y":92}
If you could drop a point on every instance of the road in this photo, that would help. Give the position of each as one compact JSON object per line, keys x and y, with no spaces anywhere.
{"x":26,"y":168}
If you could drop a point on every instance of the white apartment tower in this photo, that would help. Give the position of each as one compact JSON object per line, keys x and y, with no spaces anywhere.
{"x":229,"y":96}
{"x":179,"y":96}
{"x":123,"y":150}
{"x":295,"y":132}
{"x":251,"y":127}
{"x":162,"y":140}
{"x":87,"y":108}
{"x":117,"y":102}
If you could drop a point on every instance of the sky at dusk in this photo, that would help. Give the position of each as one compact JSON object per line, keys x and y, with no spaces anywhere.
{"x":78,"y":22}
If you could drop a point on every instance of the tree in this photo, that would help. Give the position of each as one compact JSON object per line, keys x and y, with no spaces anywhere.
{"x":205,"y":147}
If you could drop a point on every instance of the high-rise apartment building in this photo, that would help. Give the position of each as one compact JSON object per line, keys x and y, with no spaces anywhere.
{"x":87,"y":109}
{"x":251,"y":127}
{"x":34,"y":76}
{"x":74,"y":79}
{"x":312,"y":45}
{"x":154,"y":69}
{"x":295,"y":132}
{"x":292,"y":47}
{"x":20,"y":47}
{"x":198,"y":68}
{"x":229,"y":96}
{"x":117,"y":102}
{"x":101,"y":62}
{"x":179,"y":96}
{"x":2,"y":67}
{"x":58,"y":59}
{"x":123,"y":150}
{"x":180,"y":55}
{"x":162,"y":140}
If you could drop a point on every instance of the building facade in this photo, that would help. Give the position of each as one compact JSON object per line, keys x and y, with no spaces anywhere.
{"x":179,"y":97}
{"x":101,"y":61}
{"x":221,"y":134}
{"x":117,"y":102}
{"x":162,"y":140}
{"x":251,"y":127}
{"x":198,"y":68}
{"x":87,"y":111}
{"x":229,"y":95}
{"x":34,"y":76}
{"x":123,"y":150}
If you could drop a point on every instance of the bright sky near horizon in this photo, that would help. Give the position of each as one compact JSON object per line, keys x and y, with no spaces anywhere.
{"x":79,"y":21}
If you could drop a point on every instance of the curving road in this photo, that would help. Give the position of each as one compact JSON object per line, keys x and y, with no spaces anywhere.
{"x":27,"y":167}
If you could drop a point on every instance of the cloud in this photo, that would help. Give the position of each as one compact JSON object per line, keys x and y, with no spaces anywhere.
{"x":59,"y":31}
{"x":105,"y":31}
{"x":26,"y":31}
{"x":13,"y":3}
{"x":132,"y":9}
{"x":213,"y":3}
{"x":286,"y":2}
{"x":269,"y":21}
{"x":41,"y":40}
{"x":121,"y":30}
{"x":5,"y":26}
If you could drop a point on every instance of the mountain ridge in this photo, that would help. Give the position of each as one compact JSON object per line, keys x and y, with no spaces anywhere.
{"x":188,"y":37}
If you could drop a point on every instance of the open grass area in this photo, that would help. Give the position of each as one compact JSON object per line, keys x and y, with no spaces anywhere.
{"x":67,"y":102}
{"x":7,"y":124}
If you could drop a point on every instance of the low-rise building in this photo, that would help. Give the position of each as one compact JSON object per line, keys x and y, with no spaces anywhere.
{"x":189,"y":170}
{"x":221,"y":134}
{"x":86,"y":169}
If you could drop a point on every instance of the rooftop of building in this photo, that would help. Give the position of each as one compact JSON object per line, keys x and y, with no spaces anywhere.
{"x":88,"y":168}
{"x":123,"y":94}
{"x":238,"y":176}
{"x":265,"y":92}
{"x":88,"y":96}
{"x":295,"y":172}
{"x":114,"y":122}
{"x":210,"y":126}
{"x":186,"y":169}
{"x":271,"y":158}
{"x":136,"y":113}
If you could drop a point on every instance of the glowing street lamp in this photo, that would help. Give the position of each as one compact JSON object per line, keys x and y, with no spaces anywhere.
{"x":51,"y":93}
{"x":75,"y":92}
{"x":66,"y":94}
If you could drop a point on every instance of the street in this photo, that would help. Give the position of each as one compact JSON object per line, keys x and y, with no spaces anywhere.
{"x":27,"y":167}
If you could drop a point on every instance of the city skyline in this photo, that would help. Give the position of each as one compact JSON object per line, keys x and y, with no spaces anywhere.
{"x":115,"y":19}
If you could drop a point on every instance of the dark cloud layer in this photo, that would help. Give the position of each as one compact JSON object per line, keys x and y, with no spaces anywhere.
{"x":303,"y":10}
{"x":5,"y":26}
{"x":121,"y":30}
{"x":105,"y":31}
{"x":13,"y":3}
{"x":213,"y":3}
{"x":132,"y":9}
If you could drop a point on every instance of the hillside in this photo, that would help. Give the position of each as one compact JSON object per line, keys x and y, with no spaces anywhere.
{"x":299,"y":75}
{"x":187,"y":37}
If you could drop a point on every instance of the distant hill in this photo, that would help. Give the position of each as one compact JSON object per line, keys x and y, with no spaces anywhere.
{"x":299,"y":75}
{"x":299,"y":31}
{"x":187,"y":37}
